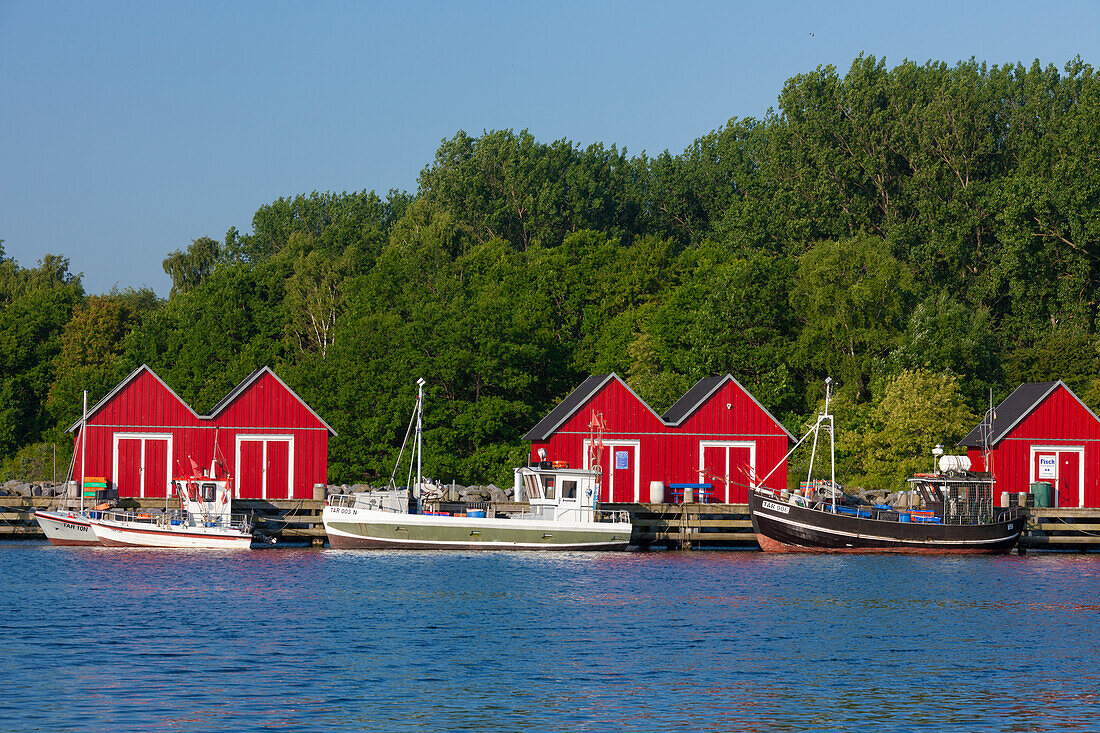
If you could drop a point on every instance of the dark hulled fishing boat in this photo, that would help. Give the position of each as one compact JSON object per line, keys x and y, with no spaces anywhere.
{"x":957,"y":515}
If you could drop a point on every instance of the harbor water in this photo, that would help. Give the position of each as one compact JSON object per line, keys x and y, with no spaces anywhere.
{"x":277,"y":639}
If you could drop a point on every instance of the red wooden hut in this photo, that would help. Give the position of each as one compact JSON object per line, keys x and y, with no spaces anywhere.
{"x":1041,"y":432}
{"x":716,"y":434}
{"x":142,"y":434}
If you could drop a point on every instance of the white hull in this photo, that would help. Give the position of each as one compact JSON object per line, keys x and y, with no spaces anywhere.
{"x":354,"y":527}
{"x":147,"y":534}
{"x":66,"y":528}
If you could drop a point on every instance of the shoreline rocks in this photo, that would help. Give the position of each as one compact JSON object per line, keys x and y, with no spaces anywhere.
{"x":34,"y":489}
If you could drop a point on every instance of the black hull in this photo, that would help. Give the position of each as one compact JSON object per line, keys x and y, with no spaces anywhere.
{"x":783,"y":527}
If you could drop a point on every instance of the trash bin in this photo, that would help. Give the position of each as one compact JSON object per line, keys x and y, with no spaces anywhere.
{"x":1043,"y":491}
{"x":657,"y":492}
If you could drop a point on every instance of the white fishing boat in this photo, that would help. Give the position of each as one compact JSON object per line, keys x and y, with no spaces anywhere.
{"x":204,"y":520}
{"x":66,"y":527}
{"x":563,"y":514}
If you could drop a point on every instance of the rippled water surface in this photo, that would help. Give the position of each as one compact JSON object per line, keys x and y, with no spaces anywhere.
{"x":98,"y":639}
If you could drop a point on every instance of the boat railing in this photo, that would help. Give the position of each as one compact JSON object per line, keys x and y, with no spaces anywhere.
{"x":366,"y":501}
{"x":612,"y":515}
{"x":142,"y":516}
{"x":341,"y":500}
{"x":173,"y":517}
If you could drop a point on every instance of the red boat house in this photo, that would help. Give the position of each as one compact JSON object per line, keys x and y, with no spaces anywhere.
{"x":717,"y":434}
{"x":142,"y":434}
{"x":1041,"y":432}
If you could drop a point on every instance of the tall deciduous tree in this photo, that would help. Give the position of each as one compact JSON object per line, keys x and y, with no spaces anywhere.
{"x":189,"y":268}
{"x":850,"y":298}
{"x":916,"y":411}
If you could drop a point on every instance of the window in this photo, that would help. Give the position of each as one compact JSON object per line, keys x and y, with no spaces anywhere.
{"x":569,"y":489}
{"x":548,"y":484}
{"x":534,"y":491}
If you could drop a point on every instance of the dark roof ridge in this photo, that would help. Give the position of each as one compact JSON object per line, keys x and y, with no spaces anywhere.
{"x":1013,"y":409}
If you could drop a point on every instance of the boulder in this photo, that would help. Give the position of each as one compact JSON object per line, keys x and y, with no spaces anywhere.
{"x":475,"y":493}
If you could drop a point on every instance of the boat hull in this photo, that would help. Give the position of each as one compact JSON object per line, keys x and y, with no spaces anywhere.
{"x":66,"y":528}
{"x":349,"y":528}
{"x":141,"y":534}
{"x":783,"y":527}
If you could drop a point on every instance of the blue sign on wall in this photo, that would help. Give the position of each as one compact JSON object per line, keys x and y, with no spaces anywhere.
{"x":622,"y":459}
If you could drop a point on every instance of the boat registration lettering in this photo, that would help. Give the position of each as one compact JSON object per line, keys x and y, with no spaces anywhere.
{"x":341,"y":510}
{"x":781,"y":508}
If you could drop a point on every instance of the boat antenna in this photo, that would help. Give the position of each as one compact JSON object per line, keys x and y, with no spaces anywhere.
{"x":987,"y":428}
{"x":83,"y":447}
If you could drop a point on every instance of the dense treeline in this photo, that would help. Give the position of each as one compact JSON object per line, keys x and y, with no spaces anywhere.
{"x":925,"y":234}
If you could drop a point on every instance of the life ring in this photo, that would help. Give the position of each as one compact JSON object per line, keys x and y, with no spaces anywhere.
{"x":101,"y":507}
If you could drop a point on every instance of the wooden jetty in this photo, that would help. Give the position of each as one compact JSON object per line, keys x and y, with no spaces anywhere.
{"x":690,"y":526}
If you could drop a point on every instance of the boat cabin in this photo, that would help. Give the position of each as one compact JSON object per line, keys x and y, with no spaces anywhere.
{"x":205,"y":497}
{"x":557,"y":493}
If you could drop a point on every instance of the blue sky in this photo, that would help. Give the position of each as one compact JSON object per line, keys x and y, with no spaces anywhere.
{"x":130,"y":128}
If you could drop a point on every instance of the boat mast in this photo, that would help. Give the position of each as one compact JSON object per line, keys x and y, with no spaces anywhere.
{"x":419,"y":438}
{"x":83,"y":447}
{"x":832,"y":442}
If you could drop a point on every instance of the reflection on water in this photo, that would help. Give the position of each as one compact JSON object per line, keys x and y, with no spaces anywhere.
{"x":320,"y":640}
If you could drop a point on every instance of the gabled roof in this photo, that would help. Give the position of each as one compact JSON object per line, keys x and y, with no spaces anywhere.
{"x":695,"y":397}
{"x":247,"y":382}
{"x":564,"y":409}
{"x":222,"y":404}
{"x":122,"y":385}
{"x":692,"y":399}
{"x":1011,"y":412}
{"x":703,"y":390}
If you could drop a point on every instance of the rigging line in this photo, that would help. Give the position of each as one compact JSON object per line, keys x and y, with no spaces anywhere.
{"x":1070,"y":524}
{"x":286,"y":521}
{"x":811,"y":431}
{"x":393,"y":476}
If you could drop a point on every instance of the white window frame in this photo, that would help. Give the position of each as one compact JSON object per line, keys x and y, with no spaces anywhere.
{"x":611,"y":445}
{"x":1058,"y":449}
{"x":727,"y":444}
{"x":265,"y":438}
{"x":143,"y":437}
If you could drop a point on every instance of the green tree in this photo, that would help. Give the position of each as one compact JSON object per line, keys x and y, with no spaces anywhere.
{"x":35,"y":305}
{"x":850,"y":298}
{"x":917,"y":410}
{"x":188,"y":269}
{"x":89,"y":358}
